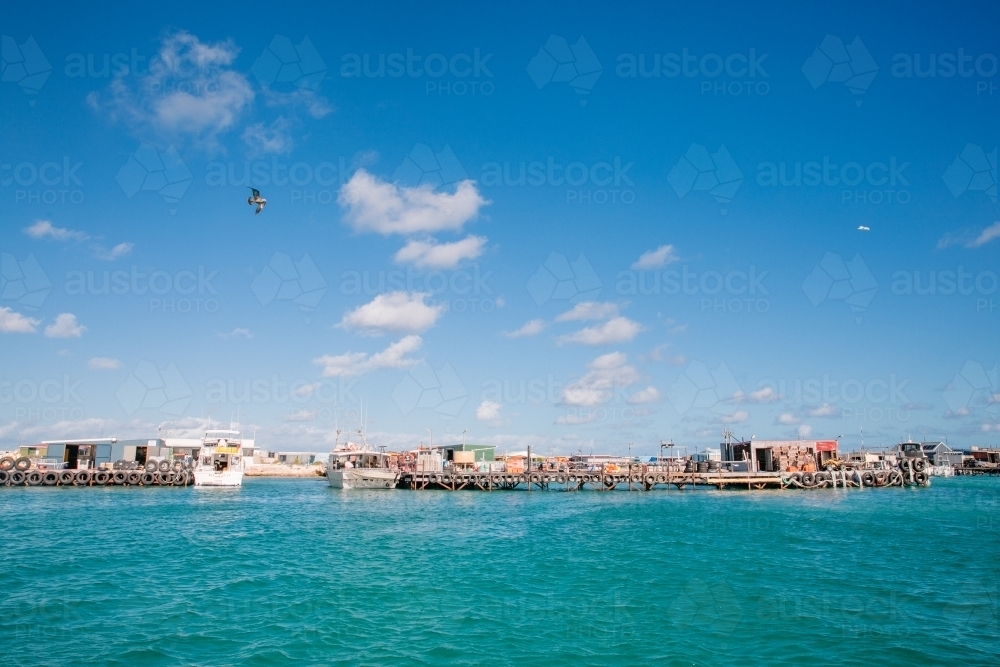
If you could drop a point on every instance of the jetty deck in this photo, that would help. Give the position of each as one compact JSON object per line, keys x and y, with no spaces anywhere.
{"x":650,"y":480}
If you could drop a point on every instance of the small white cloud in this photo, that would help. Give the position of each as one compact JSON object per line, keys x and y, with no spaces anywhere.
{"x":679,"y":329}
{"x":104,"y":364}
{"x":589,"y":310}
{"x":654,"y":259}
{"x":120,"y":250}
{"x":825,"y":410}
{"x":737,"y":417}
{"x":45,"y":229}
{"x":306,"y":390}
{"x":65,"y":326}
{"x":762,"y":395}
{"x":429,"y":254}
{"x":302,"y":415}
{"x":648,"y":395}
{"x":488,"y":411}
{"x":189,"y":91}
{"x":574,"y":418}
{"x":804,"y":431}
{"x":388,"y":208}
{"x":14,"y":322}
{"x":616,"y":330}
{"x":989,"y":234}
{"x":271,"y":139}
{"x":359,"y":363}
{"x":393,"y":312}
{"x":960,"y":413}
{"x":238,"y":332}
{"x":788,"y":419}
{"x":608,"y":374}
{"x":531,"y":328}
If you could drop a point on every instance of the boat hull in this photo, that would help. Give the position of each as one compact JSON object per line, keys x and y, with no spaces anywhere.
{"x":213,"y":478}
{"x":363,"y":478}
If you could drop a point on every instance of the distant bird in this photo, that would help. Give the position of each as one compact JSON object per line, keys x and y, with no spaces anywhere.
{"x":861,"y":228}
{"x":255,"y":198}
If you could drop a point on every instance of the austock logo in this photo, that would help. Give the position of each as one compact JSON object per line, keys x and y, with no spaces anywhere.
{"x":285,"y":63}
{"x":973,"y":170}
{"x":833,"y":279}
{"x":148,"y":387}
{"x":423,"y":166}
{"x":424,"y":388}
{"x":23,"y":282}
{"x":561,"y":280}
{"x":835,"y":62}
{"x":284,"y":279}
{"x":152,"y":170}
{"x":25,"y":65}
{"x":701,"y":171}
{"x":558,"y":62}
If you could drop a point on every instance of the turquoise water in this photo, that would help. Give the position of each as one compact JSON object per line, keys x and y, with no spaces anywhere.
{"x":288,"y":571}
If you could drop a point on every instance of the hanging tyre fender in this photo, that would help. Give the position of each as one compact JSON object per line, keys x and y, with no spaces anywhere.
{"x":50,"y":478}
{"x":148,"y":479}
{"x":181,"y":478}
{"x":101,"y":477}
{"x":4,"y":477}
{"x":152,"y":466}
{"x":22,"y":463}
{"x":133,"y":477}
{"x":6,"y":464}
{"x":920,"y":478}
{"x":119,"y":477}
{"x":919,"y":465}
{"x":33,"y":478}
{"x":82,"y":478}
{"x":17,"y":478}
{"x":66,"y":477}
{"x":868,"y":478}
{"x":808,"y":478}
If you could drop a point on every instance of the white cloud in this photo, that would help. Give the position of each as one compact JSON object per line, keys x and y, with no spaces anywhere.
{"x":387,"y":208}
{"x":762,"y":395}
{"x":574,"y":418}
{"x":960,"y":413}
{"x":488,"y":411}
{"x":268,"y":139}
{"x":45,"y":229}
{"x":608,"y":373}
{"x":654,"y":259}
{"x":805,"y":431}
{"x":429,"y":254}
{"x":396,"y":312}
{"x":589,"y":310}
{"x":616,"y":330}
{"x":648,"y":395}
{"x":679,"y":329}
{"x":306,"y":390}
{"x":238,"y":332}
{"x":190,"y":91}
{"x":120,"y":250}
{"x":788,"y":419}
{"x":359,"y":363}
{"x":65,"y":326}
{"x":737,"y":417}
{"x":990,"y":233}
{"x":825,"y":410}
{"x":530,"y":328}
{"x":14,"y":322}
{"x":104,"y":364}
{"x":302,"y":415}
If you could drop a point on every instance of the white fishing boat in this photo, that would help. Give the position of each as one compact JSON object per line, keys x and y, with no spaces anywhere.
{"x":357,"y":467}
{"x":220,"y":462}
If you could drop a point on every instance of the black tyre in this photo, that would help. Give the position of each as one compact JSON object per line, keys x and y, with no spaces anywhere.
{"x":178,"y":466}
{"x":920,"y":478}
{"x":165,"y":478}
{"x":119,"y":477}
{"x":148,"y":478}
{"x":4,"y":477}
{"x":101,"y":477}
{"x":808,"y":478}
{"x":83,"y":478}
{"x":6,"y":464}
{"x":152,"y":466}
{"x":67,"y":477}
{"x":33,"y":478}
{"x":181,"y":478}
{"x":50,"y":478}
{"x":868,"y":478}
{"x":17,"y":478}
{"x":164,"y":466}
{"x":22,"y":464}
{"x":919,"y":465}
{"x":134,"y":477}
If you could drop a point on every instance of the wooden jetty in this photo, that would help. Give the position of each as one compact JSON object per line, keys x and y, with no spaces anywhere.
{"x":649,"y":480}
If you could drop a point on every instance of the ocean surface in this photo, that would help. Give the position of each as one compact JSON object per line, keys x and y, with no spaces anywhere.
{"x":293,"y":572}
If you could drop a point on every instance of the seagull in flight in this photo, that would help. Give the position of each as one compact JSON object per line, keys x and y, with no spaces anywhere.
{"x":255,"y":198}
{"x":861,"y":228}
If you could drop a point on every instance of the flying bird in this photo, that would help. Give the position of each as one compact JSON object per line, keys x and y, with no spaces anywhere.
{"x":861,"y":228}
{"x":255,"y":198}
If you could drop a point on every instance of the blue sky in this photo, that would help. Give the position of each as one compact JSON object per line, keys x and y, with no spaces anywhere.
{"x":570,"y":227}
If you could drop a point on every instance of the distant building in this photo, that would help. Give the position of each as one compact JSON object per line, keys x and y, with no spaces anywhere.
{"x":941,"y":454}
{"x":298,"y":458}
{"x":482,"y":452}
